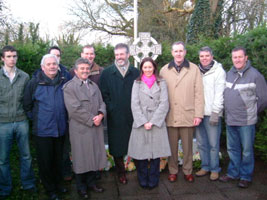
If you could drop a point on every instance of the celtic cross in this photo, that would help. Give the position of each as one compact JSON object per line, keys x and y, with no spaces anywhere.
{"x":145,"y":46}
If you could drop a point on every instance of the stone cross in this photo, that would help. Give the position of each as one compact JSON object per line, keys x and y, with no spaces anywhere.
{"x":145,"y":46}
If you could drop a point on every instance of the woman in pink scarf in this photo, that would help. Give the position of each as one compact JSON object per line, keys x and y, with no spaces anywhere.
{"x":149,"y":139}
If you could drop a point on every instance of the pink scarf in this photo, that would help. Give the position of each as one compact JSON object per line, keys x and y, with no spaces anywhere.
{"x":149,"y":81}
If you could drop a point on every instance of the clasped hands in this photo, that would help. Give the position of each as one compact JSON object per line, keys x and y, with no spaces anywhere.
{"x":97,"y":119}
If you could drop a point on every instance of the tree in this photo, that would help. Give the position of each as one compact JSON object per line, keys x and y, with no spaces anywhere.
{"x":205,"y":22}
{"x":6,"y":24}
{"x":243,"y":15}
{"x":166,"y":22}
{"x":111,"y":17}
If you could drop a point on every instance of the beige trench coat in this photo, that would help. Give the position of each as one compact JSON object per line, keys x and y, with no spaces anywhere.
{"x":87,"y":140}
{"x":149,"y":105}
{"x":186,"y":95}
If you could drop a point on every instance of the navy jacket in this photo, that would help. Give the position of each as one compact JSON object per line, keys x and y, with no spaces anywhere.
{"x":44,"y":103}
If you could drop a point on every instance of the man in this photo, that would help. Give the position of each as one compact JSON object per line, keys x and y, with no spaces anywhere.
{"x":55,"y":50}
{"x":88,"y":52}
{"x":86,"y":111}
{"x":44,"y":104}
{"x":116,"y":84}
{"x":186,"y":100}
{"x":244,"y":97}
{"x":66,"y":168}
{"x":209,"y":130}
{"x":13,"y":122}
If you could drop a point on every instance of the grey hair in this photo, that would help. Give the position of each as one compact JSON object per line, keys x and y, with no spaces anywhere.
{"x":81,"y":61}
{"x":122,"y":46}
{"x":179,"y":43}
{"x":206,"y":49}
{"x":48,"y":56}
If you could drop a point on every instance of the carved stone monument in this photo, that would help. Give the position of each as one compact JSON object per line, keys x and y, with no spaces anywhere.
{"x":145,"y":46}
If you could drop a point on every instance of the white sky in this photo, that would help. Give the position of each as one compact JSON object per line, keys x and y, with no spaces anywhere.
{"x":51,"y":15}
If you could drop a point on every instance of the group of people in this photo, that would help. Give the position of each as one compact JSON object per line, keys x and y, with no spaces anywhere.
{"x":147,"y":112}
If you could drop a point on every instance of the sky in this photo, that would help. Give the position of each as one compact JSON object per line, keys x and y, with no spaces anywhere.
{"x":51,"y":15}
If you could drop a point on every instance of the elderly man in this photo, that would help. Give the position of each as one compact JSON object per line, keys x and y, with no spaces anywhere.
{"x":209,"y":130}
{"x":86,"y":111}
{"x":13,"y":122}
{"x":116,"y":84}
{"x":44,"y":103}
{"x":244,"y":97}
{"x":66,"y":168}
{"x":88,"y":52}
{"x":55,"y":50}
{"x":186,"y":100}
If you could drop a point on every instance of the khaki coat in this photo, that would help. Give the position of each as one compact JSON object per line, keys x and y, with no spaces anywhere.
{"x":149,"y":105}
{"x":186,"y":94}
{"x":87,"y":140}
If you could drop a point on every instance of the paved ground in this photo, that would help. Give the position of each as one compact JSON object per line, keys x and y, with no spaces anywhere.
{"x":201,"y":189}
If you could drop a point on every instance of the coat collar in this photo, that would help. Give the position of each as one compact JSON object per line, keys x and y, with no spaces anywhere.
{"x":184,"y":64}
{"x":145,"y":89}
{"x":116,"y":72}
{"x":80,"y":82}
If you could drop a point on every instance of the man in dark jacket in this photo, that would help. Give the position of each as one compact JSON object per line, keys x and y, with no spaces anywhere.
{"x":13,"y":122}
{"x":44,"y":104}
{"x":244,"y":97}
{"x":116,"y":84}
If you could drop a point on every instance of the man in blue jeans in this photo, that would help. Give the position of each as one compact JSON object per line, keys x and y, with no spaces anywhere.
{"x":244,"y":97}
{"x":13,"y":123}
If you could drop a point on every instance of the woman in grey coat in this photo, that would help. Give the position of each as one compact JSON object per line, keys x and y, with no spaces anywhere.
{"x":149,"y":139}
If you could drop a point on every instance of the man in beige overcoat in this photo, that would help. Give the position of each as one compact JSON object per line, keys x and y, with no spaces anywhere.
{"x":186,"y":98}
{"x":86,"y":111}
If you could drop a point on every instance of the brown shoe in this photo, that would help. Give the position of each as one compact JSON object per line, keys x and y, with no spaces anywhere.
{"x":214,"y":176}
{"x":172,"y":177}
{"x":189,"y":178}
{"x":243,"y":184}
{"x":202,"y":172}
{"x":123,"y":179}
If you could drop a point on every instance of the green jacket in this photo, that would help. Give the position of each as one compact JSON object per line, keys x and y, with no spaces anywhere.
{"x":11,"y":96}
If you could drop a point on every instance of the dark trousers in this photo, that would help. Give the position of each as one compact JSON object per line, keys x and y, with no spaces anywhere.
{"x":85,"y":180}
{"x":67,"y":168}
{"x":148,"y":172}
{"x":49,"y":152}
{"x":119,"y":164}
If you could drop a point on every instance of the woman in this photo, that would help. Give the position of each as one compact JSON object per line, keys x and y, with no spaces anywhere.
{"x":149,"y":140}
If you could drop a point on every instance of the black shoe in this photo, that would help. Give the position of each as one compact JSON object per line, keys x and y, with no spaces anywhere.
{"x":83,"y":194}
{"x":31,"y":190}
{"x":53,"y":196}
{"x":62,"y":190}
{"x":98,"y":175}
{"x":3,"y":197}
{"x":96,"y":189}
{"x":243,"y":184}
{"x":226,"y":179}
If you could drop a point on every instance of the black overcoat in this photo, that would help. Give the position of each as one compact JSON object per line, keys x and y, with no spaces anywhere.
{"x":116,"y":92}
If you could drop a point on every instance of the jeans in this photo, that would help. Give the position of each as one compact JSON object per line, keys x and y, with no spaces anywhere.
{"x":208,"y":142}
{"x":240,"y":141}
{"x":20,"y":132}
{"x":148,"y":176}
